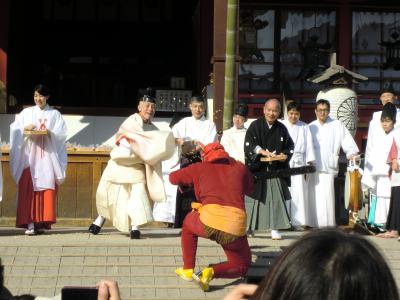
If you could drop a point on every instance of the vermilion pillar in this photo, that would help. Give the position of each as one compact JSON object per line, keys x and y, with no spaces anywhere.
{"x":4,"y":19}
{"x":344,"y":30}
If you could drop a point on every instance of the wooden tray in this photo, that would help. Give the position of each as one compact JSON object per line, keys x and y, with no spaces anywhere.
{"x":36,"y":132}
{"x":275,"y":158}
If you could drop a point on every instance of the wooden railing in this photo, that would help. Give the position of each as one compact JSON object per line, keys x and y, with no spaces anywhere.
{"x":76,"y":198}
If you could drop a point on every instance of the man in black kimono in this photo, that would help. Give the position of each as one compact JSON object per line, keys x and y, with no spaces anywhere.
{"x":267,"y":137}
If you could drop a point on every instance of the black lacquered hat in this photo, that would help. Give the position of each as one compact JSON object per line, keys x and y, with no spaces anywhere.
{"x":147,"y":95}
{"x":242,"y":110}
{"x":388,"y":88}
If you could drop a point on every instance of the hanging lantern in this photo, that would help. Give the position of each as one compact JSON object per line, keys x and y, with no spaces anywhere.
{"x":392,"y":49}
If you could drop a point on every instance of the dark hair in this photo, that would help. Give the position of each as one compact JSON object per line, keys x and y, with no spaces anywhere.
{"x":293,"y":105}
{"x":25,"y":297}
{"x":42,"y":90}
{"x":241,"y":110}
{"x":323,"y":102}
{"x":196,"y":99}
{"x":4,"y":292}
{"x":175,"y":119}
{"x":329,"y":264}
{"x":389,"y":111}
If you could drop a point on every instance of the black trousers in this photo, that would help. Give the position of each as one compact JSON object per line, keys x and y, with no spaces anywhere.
{"x":185,"y":195}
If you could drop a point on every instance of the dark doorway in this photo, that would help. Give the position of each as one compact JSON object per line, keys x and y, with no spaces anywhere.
{"x":95,"y":54}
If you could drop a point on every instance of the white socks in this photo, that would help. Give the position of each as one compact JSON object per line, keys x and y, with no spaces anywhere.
{"x":135,"y":227}
{"x":99,"y":221}
{"x":31,"y":226}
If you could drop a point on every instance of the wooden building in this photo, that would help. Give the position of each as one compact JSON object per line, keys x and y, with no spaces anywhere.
{"x":96,"y":54}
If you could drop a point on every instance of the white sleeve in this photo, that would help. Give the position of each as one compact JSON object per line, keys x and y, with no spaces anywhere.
{"x":211,"y":134}
{"x":349,"y":146}
{"x":310,"y":155}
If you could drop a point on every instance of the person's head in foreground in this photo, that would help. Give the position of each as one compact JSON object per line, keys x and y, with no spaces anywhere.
{"x":327,"y":264}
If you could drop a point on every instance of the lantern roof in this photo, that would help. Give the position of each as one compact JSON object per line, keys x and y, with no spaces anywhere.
{"x":336,"y":75}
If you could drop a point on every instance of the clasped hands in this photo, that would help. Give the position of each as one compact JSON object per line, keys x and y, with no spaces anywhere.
{"x":180,"y":142}
{"x":267,"y":153}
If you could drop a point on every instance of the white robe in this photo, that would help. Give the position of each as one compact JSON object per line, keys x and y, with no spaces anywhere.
{"x":45,"y":155}
{"x":376,"y":168}
{"x":303,"y":154}
{"x":327,"y":139}
{"x":201,"y":130}
{"x":132,"y":180}
{"x":233,"y":142}
{"x":165,"y":211}
{"x":188,"y":128}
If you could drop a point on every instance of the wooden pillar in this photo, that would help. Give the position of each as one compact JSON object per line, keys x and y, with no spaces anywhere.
{"x":4,"y":27}
{"x":218,"y":59}
{"x":344,"y":34}
{"x":4,"y":19}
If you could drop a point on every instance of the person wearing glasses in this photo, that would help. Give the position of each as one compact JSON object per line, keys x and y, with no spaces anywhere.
{"x":328,"y":136}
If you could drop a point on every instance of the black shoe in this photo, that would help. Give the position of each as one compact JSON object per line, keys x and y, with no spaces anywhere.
{"x":94,"y":229}
{"x":135,"y":234}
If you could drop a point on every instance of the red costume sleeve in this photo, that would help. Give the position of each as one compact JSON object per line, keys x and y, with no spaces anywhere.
{"x":182,"y":176}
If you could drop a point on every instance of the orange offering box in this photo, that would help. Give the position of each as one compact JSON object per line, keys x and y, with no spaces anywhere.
{"x":278,"y":157}
{"x":36,"y":132}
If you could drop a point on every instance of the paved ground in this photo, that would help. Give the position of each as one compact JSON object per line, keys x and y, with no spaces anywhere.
{"x":144,"y":269}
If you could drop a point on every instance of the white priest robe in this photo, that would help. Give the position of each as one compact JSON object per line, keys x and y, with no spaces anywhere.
{"x":233,"y":142}
{"x":165,"y":211}
{"x":376,"y":169}
{"x":46,"y":156}
{"x":327,"y":139}
{"x":132,"y":180}
{"x":188,"y":128}
{"x":303,"y":155}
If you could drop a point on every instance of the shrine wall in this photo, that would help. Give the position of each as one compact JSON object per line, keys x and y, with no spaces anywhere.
{"x":84,"y":130}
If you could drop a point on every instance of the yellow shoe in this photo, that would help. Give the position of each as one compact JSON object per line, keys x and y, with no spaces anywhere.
{"x":185,"y":274}
{"x":203,"y":278}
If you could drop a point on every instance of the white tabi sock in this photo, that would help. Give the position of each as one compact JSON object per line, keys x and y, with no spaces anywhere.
{"x":31,"y":226}
{"x":135,"y":227}
{"x":99,"y":221}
